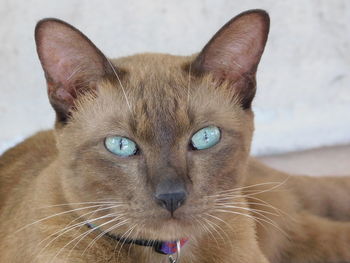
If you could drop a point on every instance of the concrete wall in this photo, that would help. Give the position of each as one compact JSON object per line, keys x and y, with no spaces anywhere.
{"x":303,"y":95}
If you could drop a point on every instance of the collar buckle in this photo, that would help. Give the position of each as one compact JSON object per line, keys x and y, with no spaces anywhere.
{"x":178,"y":253}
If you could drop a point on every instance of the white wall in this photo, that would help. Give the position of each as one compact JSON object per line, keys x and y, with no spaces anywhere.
{"x":303,"y":95}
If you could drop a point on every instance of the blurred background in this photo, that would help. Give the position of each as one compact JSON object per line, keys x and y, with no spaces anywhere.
{"x":303,"y":98}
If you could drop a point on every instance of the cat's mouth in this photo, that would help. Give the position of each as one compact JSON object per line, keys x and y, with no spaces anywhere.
{"x":164,"y":228}
{"x":165,"y":247}
{"x":167,"y":232}
{"x":154,"y":224}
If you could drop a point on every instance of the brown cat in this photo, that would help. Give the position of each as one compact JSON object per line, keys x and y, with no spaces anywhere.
{"x":149,"y":162}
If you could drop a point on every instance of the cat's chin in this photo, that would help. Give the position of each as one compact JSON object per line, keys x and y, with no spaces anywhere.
{"x":165,"y":231}
{"x":170,"y":228}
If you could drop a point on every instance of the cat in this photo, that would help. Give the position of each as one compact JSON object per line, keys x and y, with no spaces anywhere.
{"x":149,"y":162}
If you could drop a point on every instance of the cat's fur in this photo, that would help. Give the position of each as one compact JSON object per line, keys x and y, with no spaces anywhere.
{"x":237,"y":209}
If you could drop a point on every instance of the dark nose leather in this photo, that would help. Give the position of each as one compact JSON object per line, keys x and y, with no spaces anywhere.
{"x":171,"y":201}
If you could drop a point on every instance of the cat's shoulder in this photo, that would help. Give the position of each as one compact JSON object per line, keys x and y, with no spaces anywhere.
{"x":40,"y":144}
{"x":24,"y":161}
{"x":257,"y":170}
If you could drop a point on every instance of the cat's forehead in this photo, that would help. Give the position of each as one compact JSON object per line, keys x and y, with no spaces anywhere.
{"x":155,"y":86}
{"x":143,"y":64}
{"x":158,"y":99}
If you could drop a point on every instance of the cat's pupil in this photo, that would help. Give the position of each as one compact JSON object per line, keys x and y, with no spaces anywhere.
{"x":206,"y":136}
{"x":121,"y":144}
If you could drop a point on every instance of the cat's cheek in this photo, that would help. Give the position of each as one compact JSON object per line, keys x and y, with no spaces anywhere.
{"x":214,"y":171}
{"x":100,"y":178}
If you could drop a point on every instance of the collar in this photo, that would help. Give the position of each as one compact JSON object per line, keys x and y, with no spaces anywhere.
{"x":162,"y":247}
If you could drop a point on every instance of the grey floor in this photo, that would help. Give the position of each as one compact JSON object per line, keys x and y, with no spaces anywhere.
{"x":333,"y":160}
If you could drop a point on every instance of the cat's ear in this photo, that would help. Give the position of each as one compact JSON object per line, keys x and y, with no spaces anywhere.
{"x":233,"y":54}
{"x":71,"y":62}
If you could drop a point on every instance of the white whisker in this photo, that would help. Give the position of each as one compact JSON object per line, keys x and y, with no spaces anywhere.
{"x":82,"y":203}
{"x":238,"y":189}
{"x":81,"y":236}
{"x":121,"y":85}
{"x":272,"y":188}
{"x":246,"y":208}
{"x":207,"y":230}
{"x":104,"y":232}
{"x":67,"y":229}
{"x":125,"y":236}
{"x":256,"y":219}
{"x":214,"y":226}
{"x":58,"y":214}
{"x":189,"y":85}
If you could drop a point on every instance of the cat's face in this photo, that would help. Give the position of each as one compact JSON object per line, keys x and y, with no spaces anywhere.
{"x":160,"y":137}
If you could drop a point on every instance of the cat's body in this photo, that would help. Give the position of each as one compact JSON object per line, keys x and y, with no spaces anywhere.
{"x":307,"y":216}
{"x":233,"y":209}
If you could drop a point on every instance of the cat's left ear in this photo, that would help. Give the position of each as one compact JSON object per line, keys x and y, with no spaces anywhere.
{"x":71,"y":62}
{"x":234,"y":52}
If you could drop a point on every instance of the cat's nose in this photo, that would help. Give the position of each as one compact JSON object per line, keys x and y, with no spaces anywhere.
{"x":171,"y":201}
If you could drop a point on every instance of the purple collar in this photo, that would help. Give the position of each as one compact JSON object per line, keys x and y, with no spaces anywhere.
{"x":162,"y":247}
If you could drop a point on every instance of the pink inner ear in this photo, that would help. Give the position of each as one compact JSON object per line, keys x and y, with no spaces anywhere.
{"x":71,"y":63}
{"x":236,"y":49}
{"x":66,"y":54}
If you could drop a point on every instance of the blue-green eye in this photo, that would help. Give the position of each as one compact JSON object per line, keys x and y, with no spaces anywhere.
{"x":206,"y":138}
{"x":121,"y":146}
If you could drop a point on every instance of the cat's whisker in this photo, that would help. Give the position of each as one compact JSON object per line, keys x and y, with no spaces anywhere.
{"x":257,"y":212}
{"x":103,"y":208}
{"x":256,"y":219}
{"x":81,"y":203}
{"x":70,"y":251}
{"x":215,"y":227}
{"x":278,"y":213}
{"x":189,"y":85}
{"x":90,"y":217}
{"x":67,"y":229}
{"x":125,"y":236}
{"x":54,"y":215}
{"x":137,"y":233}
{"x":77,"y":226}
{"x":229,"y":227}
{"x":121,"y":85}
{"x":207,"y":230}
{"x":81,"y":236}
{"x":103,"y":232}
{"x":222,"y":221}
{"x":232,"y":197}
{"x":272,"y":188}
{"x":238,"y":189}
{"x":259,"y":202}
{"x":255,"y":190}
{"x":232,"y":205}
{"x":228,"y":238}
{"x":199,"y":224}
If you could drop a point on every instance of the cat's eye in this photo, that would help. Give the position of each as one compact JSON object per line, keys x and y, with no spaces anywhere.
{"x":121,"y":146}
{"x":206,"y":138}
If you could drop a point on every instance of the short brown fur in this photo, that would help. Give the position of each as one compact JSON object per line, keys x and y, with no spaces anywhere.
{"x":279,"y":218}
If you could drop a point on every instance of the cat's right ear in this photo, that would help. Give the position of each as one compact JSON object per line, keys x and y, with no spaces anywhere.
{"x":71,"y":62}
{"x":234,"y":52}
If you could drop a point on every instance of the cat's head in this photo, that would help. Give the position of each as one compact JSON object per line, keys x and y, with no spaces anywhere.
{"x":159,"y":137}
